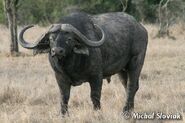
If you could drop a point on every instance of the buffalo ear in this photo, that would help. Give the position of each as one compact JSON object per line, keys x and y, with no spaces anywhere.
{"x":43,"y":46}
{"x":40,"y":51}
{"x":81,"y":50}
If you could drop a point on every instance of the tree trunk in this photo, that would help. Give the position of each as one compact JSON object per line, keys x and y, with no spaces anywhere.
{"x":129,"y":6}
{"x":163,"y":19}
{"x":11,"y":12}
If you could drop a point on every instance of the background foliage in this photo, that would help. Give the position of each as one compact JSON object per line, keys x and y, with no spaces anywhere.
{"x":49,"y":11}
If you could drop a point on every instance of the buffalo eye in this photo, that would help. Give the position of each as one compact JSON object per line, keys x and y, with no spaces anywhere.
{"x":68,"y":40}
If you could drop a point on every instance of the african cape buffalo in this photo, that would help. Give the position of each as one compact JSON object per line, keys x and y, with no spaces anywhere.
{"x":90,"y":48}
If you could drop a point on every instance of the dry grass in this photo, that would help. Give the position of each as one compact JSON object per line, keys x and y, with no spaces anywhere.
{"x":29,"y":92}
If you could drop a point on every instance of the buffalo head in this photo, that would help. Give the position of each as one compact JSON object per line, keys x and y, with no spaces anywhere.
{"x":61,"y":40}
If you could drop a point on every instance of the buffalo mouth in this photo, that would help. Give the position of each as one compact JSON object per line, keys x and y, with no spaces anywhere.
{"x":57,"y":56}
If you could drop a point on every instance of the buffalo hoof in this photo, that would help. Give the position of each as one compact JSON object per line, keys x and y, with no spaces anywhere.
{"x":97,"y":106}
{"x":129,"y":107}
{"x":65,"y":115}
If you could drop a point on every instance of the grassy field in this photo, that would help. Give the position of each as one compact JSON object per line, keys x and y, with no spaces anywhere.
{"x":29,"y":92}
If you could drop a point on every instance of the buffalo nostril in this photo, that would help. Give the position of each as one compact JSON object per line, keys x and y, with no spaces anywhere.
{"x":52,"y":51}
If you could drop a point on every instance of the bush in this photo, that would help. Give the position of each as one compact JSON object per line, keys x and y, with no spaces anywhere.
{"x":49,"y":11}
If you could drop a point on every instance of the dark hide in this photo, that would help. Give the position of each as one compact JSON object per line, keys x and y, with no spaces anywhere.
{"x":123,"y":50}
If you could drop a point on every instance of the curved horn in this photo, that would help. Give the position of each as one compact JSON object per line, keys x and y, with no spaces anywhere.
{"x":24,"y":43}
{"x":70,"y":28}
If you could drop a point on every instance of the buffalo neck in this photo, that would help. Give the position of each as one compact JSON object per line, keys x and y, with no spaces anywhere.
{"x":74,"y":63}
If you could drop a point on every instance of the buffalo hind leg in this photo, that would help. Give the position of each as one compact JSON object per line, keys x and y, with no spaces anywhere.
{"x":65,"y":88}
{"x":96,"y":87}
{"x":124,"y":78}
{"x":134,"y":69}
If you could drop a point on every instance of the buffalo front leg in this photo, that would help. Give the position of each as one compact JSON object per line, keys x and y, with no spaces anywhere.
{"x":96,"y":87}
{"x":65,"y":88}
{"x":65,"y":94}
